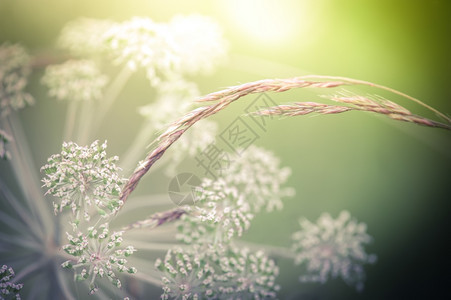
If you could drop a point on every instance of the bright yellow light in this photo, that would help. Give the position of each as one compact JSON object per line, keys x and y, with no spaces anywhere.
{"x":267,"y":21}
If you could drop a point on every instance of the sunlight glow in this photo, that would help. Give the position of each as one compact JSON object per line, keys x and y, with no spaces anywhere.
{"x":267,"y":21}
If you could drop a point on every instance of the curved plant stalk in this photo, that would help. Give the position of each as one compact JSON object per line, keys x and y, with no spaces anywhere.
{"x":157,"y":219}
{"x":226,"y":97}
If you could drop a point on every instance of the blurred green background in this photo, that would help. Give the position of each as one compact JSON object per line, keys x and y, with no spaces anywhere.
{"x":395,"y":177}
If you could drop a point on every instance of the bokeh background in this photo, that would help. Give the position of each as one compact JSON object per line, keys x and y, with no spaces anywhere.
{"x":395,"y":177}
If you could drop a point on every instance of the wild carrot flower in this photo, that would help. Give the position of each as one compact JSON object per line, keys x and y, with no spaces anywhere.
{"x":83,"y":177}
{"x":185,"y":45}
{"x":14,"y":71}
{"x":84,"y":36}
{"x":186,"y":275}
{"x":219,"y":214}
{"x":4,"y":139}
{"x":217,"y":273}
{"x":258,"y":177}
{"x":97,"y":255}
{"x":141,"y":42}
{"x":8,"y":290}
{"x":78,"y":80}
{"x":333,"y":248}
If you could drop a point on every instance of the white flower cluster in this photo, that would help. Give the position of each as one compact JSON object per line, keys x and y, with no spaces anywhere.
{"x":141,"y":42}
{"x":82,"y":177}
{"x":219,"y":214}
{"x":84,"y":36}
{"x":166,"y":50}
{"x":217,"y":273}
{"x":333,"y":247}
{"x":97,"y":256}
{"x":4,"y":139}
{"x":14,"y":71}
{"x":258,"y":177}
{"x":77,"y":80}
{"x":224,"y":208}
{"x":8,"y":290}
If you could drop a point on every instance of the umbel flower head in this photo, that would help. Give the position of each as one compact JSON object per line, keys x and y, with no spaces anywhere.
{"x":8,"y":290}
{"x":333,"y":248}
{"x":167,"y":50}
{"x":4,"y":139}
{"x":85,"y":36}
{"x":14,"y":71}
{"x":78,"y":80}
{"x":217,"y":273}
{"x":97,"y":255}
{"x":83,"y":177}
{"x":258,"y":177}
{"x":141,"y":42}
{"x":219,"y":214}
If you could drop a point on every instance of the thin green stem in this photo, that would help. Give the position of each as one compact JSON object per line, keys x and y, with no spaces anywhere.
{"x":148,"y":201}
{"x":84,"y":125}
{"x":62,"y":283}
{"x":111,"y":94}
{"x":23,"y":166}
{"x":20,"y":242}
{"x":70,"y":120}
{"x":152,"y":246}
{"x":21,"y":211}
{"x":148,"y":279}
{"x":31,"y":268}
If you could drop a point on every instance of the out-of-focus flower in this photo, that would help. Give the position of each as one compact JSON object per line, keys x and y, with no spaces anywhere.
{"x":219,"y":214}
{"x":85,"y":36}
{"x":333,"y":248}
{"x":167,"y":50}
{"x":198,"y":42}
{"x":78,"y":80}
{"x":97,"y":256}
{"x":258,"y":177}
{"x":14,"y":71}
{"x":144,"y":43}
{"x":217,"y":273}
{"x":82,"y":177}
{"x":8,"y":289}
{"x":4,"y":139}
